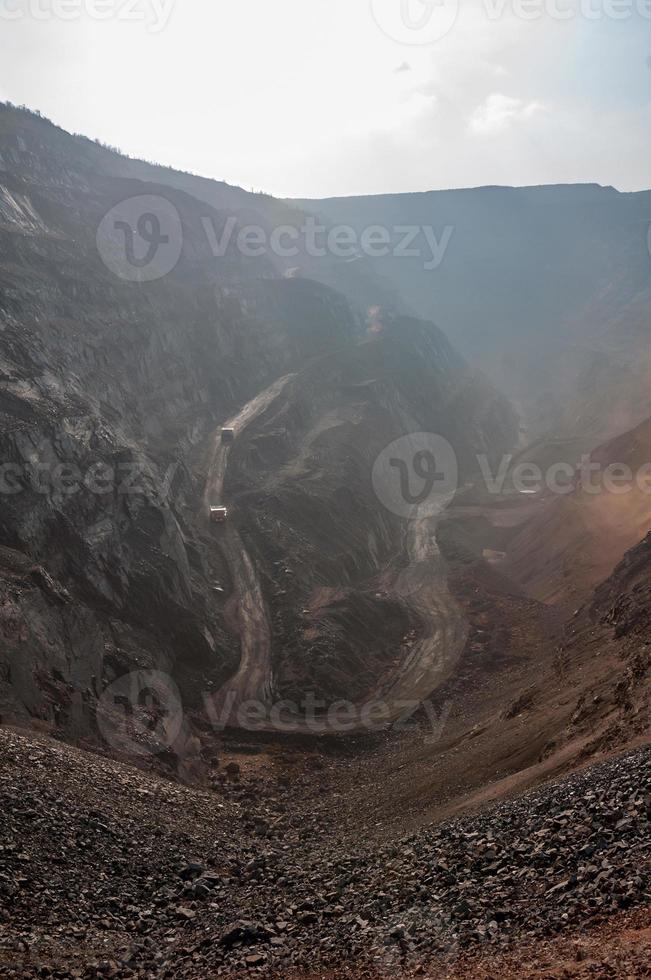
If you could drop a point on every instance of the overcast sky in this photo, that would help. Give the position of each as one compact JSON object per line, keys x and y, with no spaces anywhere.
{"x":328,"y":97}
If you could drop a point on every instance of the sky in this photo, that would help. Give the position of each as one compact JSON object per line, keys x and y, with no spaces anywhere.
{"x":316,"y":98}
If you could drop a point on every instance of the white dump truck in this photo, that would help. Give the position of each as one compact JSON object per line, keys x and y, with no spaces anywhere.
{"x":218,"y":515}
{"x":228,"y":437}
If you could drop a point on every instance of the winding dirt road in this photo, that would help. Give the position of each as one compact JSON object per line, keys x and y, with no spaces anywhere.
{"x":219,"y":451}
{"x":253,"y":680}
{"x":422,"y":585}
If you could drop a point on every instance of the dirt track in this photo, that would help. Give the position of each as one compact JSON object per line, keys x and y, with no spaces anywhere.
{"x":219,"y":451}
{"x":253,"y":680}
{"x":422,"y":585}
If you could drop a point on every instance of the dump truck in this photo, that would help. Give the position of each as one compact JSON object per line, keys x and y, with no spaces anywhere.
{"x":228,"y":437}
{"x":218,"y":515}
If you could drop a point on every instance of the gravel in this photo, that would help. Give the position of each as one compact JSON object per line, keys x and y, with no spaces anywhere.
{"x":105,"y":871}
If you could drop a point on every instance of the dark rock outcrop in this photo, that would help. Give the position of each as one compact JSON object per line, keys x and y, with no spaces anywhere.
{"x":110,"y":394}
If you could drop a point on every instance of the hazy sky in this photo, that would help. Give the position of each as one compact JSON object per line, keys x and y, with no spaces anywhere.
{"x":324,"y":97}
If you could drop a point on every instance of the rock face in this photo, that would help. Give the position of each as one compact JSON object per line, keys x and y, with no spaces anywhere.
{"x":573,"y":540}
{"x":549,"y":288}
{"x":96,"y":871}
{"x":301,"y":478}
{"x":111,"y":395}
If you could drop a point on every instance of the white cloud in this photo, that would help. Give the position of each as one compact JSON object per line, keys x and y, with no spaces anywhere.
{"x":305,"y":99}
{"x":499,"y":112}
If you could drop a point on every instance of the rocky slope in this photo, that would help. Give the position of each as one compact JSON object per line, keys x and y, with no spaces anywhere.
{"x":111,"y":394}
{"x":300,"y":475}
{"x":122,"y":875}
{"x":568,"y":542}
{"x":546,"y":287}
{"x":291,"y":854}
